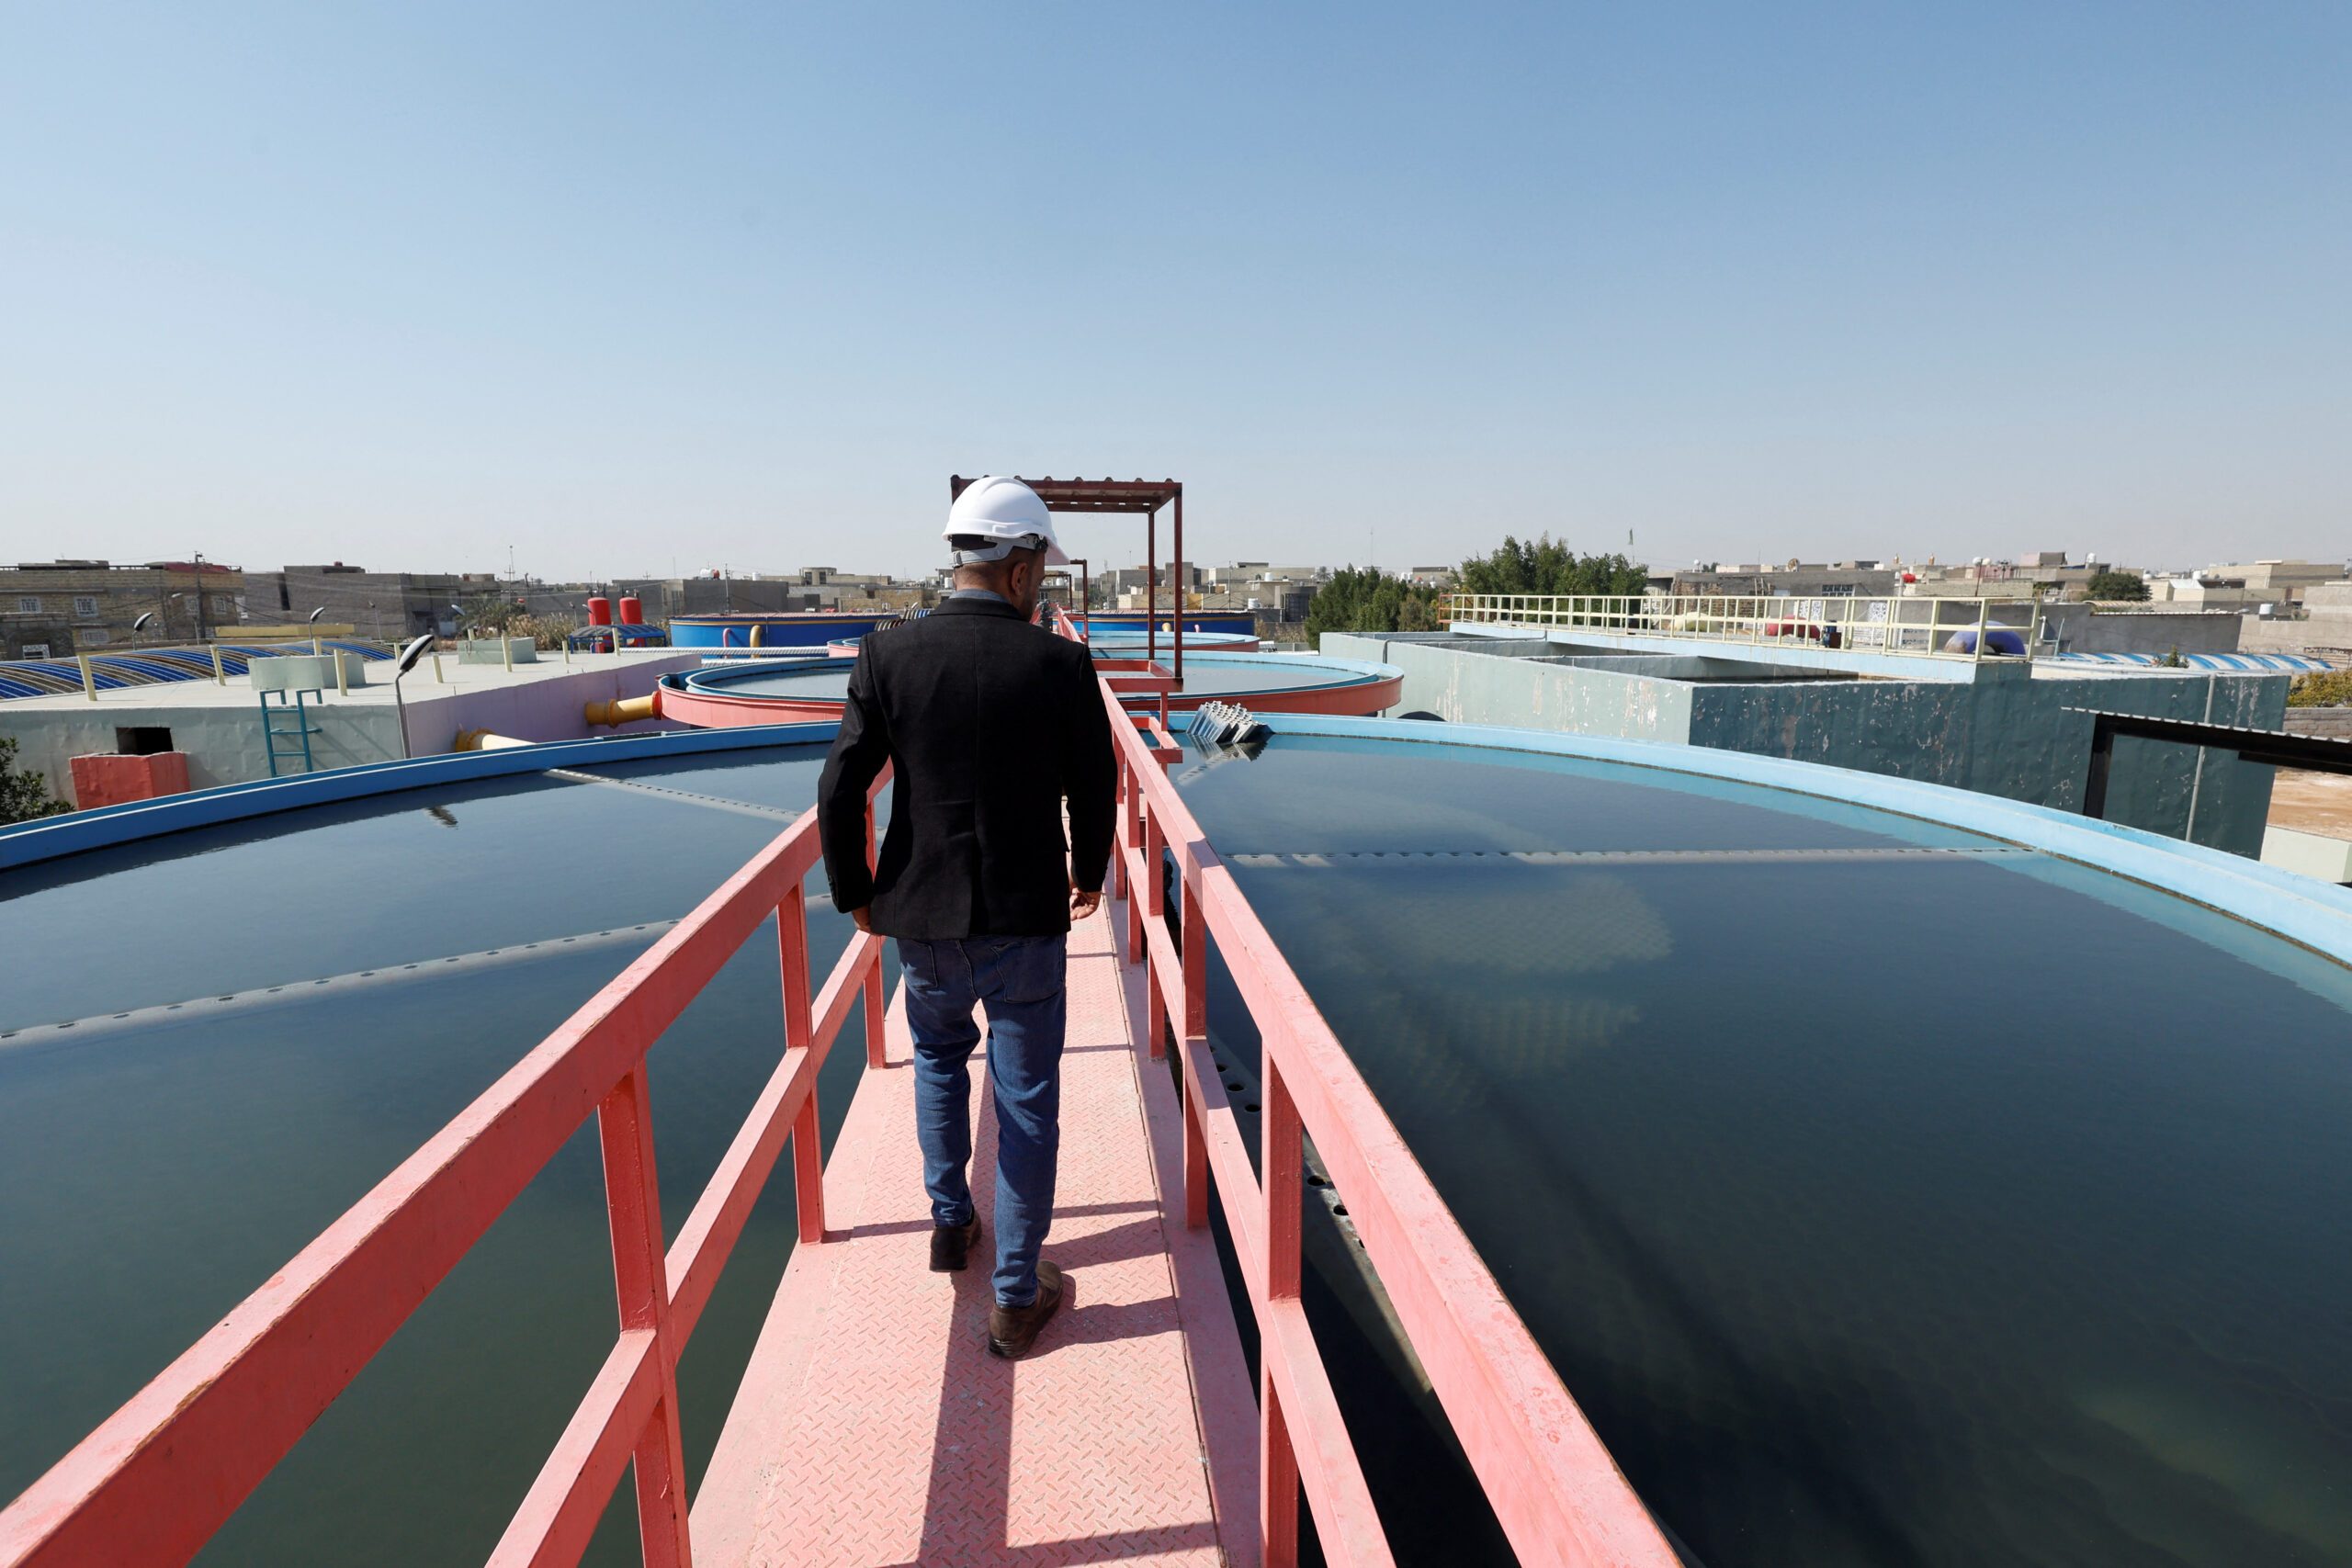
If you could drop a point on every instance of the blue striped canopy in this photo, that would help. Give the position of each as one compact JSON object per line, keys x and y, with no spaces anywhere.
{"x":2250,"y":663}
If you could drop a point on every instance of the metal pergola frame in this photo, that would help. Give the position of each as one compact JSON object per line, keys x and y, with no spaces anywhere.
{"x":1144,"y":496}
{"x":2315,"y":753}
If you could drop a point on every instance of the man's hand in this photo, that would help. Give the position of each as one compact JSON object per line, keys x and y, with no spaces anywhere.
{"x":864,"y":919}
{"x":1082,"y":903}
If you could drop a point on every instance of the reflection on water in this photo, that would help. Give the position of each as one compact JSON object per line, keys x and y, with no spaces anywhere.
{"x":389,"y":880}
{"x":1883,"y":1208}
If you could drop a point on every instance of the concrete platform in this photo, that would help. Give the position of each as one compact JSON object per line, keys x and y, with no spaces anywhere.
{"x":2311,"y":824}
{"x":873,"y":1427}
{"x":220,"y":726}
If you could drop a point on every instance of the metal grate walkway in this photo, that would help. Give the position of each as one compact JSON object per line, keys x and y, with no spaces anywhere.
{"x":873,"y":1427}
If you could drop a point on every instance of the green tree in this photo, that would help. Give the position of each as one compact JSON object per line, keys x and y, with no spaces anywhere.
{"x":1368,"y":600}
{"x":1543,"y":565}
{"x":24,"y":793}
{"x":2321,"y":688}
{"x":2128,"y":586}
{"x":487,"y":614}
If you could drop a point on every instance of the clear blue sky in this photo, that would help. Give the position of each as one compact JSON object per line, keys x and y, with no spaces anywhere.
{"x":405,"y":285}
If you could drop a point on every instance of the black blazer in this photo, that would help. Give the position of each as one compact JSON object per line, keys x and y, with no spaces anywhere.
{"x":991,"y":723}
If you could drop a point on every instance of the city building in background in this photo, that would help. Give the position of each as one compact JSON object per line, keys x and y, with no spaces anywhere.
{"x":391,"y":606}
{"x":57,"y":609}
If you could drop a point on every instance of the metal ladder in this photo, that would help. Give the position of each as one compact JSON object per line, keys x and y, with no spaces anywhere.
{"x":285,"y":744}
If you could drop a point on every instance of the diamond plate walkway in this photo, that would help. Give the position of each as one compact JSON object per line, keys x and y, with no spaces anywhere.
{"x":873,"y":1427}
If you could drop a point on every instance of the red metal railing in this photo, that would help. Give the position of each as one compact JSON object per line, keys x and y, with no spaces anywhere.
{"x":163,"y":1473}
{"x":1557,"y":1495}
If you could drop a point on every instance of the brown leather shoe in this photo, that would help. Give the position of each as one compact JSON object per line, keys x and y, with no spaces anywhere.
{"x":1012,"y":1330}
{"x":951,"y":1245}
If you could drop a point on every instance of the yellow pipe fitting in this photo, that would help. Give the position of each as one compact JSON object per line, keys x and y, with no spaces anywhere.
{"x":625,"y":710}
{"x":484,"y":740}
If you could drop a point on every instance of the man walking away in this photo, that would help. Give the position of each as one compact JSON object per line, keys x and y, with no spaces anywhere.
{"x":991,"y":723}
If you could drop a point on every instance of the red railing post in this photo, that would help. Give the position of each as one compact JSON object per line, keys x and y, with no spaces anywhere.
{"x":1196,"y":1161}
{"x":1134,"y":824}
{"x":633,"y":1208}
{"x":808,"y":1154}
{"x":873,"y":984}
{"x":808,"y":1171}
{"x":1196,"y":928}
{"x":1118,"y":883}
{"x":1194,"y":956}
{"x":1282,"y":1162}
{"x":873,"y":1008}
{"x":1154,"y":904}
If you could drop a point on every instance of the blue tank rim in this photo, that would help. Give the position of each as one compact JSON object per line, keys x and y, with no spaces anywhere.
{"x":1206,"y":641}
{"x":2311,"y":914}
{"x":714,"y":679}
{"x":713,"y":657}
{"x":784,"y":617}
{"x":52,"y":838}
{"x":1230,"y":620}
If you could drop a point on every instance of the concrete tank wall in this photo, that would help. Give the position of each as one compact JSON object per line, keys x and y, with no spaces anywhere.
{"x":220,"y":727}
{"x":2086,"y":629}
{"x":2014,"y":738}
{"x":2006,"y":732}
{"x":1476,"y":681}
{"x":2335,"y":723}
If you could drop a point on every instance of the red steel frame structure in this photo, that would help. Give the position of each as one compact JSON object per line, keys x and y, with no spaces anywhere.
{"x":156,"y":1480}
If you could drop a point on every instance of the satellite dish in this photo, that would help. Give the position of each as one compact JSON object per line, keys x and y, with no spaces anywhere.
{"x":141,"y":623}
{"x":317,"y":613}
{"x":416,"y":650}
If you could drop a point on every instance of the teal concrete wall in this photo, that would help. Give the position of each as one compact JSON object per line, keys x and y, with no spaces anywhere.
{"x":2005,"y":733}
{"x":2014,"y":738}
{"x":1482,"y":684}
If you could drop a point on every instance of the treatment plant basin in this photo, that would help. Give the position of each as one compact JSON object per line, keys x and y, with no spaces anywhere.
{"x":214,"y":1041}
{"x":1899,"y":1184}
{"x":1893,"y":1175}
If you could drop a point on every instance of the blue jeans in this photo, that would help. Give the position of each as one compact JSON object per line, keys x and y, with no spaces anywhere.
{"x":1019,"y":980}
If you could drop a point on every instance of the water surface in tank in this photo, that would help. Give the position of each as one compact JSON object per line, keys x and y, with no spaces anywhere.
{"x":155,"y":1168}
{"x":1884,"y":1193}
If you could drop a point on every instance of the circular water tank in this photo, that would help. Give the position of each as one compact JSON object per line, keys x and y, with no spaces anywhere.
{"x":632,"y":611}
{"x":600,"y":610}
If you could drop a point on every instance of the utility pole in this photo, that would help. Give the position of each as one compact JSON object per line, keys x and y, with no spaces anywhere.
{"x":201,"y":633}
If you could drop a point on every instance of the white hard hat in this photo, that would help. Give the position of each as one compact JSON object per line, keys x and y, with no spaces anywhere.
{"x":1006,"y":511}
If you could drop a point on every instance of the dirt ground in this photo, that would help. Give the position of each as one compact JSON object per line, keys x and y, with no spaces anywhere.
{"x":2313,"y":803}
